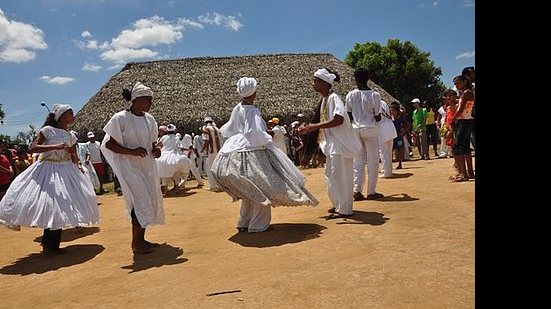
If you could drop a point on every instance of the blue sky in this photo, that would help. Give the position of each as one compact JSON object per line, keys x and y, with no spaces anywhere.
{"x":63,"y":51}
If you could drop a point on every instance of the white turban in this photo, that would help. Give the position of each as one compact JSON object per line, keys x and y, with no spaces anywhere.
{"x":171,"y":128}
{"x":246,"y":86}
{"x":324,"y":75}
{"x":139,"y":90}
{"x":59,"y":109}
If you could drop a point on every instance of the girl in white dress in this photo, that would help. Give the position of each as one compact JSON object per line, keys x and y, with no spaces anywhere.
{"x":52,"y":193}
{"x":129,"y":148}
{"x":251,"y":168}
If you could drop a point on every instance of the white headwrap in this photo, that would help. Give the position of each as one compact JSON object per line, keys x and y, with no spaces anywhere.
{"x":139,"y":90}
{"x":59,"y":109}
{"x":324,"y":75}
{"x":246,"y":86}
{"x":171,"y":128}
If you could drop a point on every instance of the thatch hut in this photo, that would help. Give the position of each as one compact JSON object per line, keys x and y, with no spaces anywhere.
{"x":187,"y":90}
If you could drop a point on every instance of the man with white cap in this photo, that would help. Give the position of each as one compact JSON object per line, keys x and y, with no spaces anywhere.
{"x":211,"y":145}
{"x":95,"y":158}
{"x":337,"y":141}
{"x":130,"y":148}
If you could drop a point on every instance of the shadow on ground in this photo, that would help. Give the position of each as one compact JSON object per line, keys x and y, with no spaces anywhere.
{"x":399,"y":197}
{"x":403,"y":175}
{"x":360,"y":217}
{"x":279,"y":234}
{"x":160,"y":256}
{"x":39,"y":263}
{"x":74,"y":233}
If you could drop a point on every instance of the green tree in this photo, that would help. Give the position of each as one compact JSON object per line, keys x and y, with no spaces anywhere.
{"x":401,"y":69}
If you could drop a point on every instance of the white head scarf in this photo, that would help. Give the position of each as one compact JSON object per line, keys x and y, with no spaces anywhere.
{"x":324,"y":75}
{"x":246,"y":86}
{"x":139,"y":90}
{"x":171,"y":128}
{"x":59,"y":109}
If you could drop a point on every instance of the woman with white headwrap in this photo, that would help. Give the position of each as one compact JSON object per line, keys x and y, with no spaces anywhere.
{"x":337,"y":141}
{"x":251,"y":168}
{"x":173,"y":163}
{"x":52,"y":193}
{"x":129,"y":146}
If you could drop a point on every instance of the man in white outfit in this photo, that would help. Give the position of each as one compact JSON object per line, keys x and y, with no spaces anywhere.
{"x":95,"y":159}
{"x":278,"y":134}
{"x":337,"y":141}
{"x":364,"y":107}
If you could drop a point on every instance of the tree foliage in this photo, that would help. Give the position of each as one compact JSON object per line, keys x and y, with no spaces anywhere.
{"x":401,"y":69}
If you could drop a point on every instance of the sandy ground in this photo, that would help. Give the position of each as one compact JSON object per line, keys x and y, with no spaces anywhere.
{"x":412,"y":249}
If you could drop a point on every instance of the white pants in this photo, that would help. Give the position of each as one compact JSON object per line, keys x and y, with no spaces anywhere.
{"x":338,"y":173}
{"x":213,"y":184}
{"x":255,"y":217}
{"x":369,"y":153}
{"x":386,"y":158}
{"x":201,"y":164}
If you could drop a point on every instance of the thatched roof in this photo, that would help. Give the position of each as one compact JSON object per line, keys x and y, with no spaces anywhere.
{"x":187,"y":90}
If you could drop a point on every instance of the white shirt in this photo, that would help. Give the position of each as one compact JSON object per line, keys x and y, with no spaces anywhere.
{"x":364,"y":105}
{"x":244,"y":130}
{"x":94,"y":150}
{"x":279,"y":137}
{"x":340,"y":139}
{"x":387,"y":131}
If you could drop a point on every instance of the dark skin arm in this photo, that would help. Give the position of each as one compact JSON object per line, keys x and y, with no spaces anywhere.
{"x":115,"y":147}
{"x":336,"y":121}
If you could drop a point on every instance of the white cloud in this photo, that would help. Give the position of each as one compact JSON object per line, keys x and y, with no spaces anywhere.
{"x":58,"y":80}
{"x":465,"y":55}
{"x":90,"y":67}
{"x":127,"y":54}
{"x":422,"y":5}
{"x":190,"y":23}
{"x":143,"y":39}
{"x":148,"y":32}
{"x":435,"y":3}
{"x":468,"y":3}
{"x":229,"y":21}
{"x":18,"y":40}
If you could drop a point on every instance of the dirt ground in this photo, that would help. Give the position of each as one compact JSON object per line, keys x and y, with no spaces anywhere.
{"x":412,"y":249}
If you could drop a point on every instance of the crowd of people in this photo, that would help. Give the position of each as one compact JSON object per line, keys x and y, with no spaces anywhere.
{"x":252,"y":160}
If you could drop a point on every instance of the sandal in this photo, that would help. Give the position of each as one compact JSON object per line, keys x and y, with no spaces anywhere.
{"x":337,"y":215}
{"x":458,"y":178}
{"x":331,"y":210}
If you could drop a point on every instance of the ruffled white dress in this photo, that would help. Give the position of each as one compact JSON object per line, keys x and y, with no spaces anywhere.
{"x":172,"y":159}
{"x":249,"y":166}
{"x":51,"y":193}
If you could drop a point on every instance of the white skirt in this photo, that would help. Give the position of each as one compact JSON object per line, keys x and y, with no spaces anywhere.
{"x":171,"y":162}
{"x":50,"y":195}
{"x":264,"y":176}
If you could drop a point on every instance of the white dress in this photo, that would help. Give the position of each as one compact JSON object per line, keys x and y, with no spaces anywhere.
{"x":172,"y":159}
{"x":139,"y":177}
{"x":87,"y":167}
{"x":51,"y":193}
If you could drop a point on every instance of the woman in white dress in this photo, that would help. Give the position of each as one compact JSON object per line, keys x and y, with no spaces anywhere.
{"x":251,"y":168}
{"x":53,"y":193}
{"x":173,"y":163}
{"x":129,"y":147}
{"x":83,"y":155}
